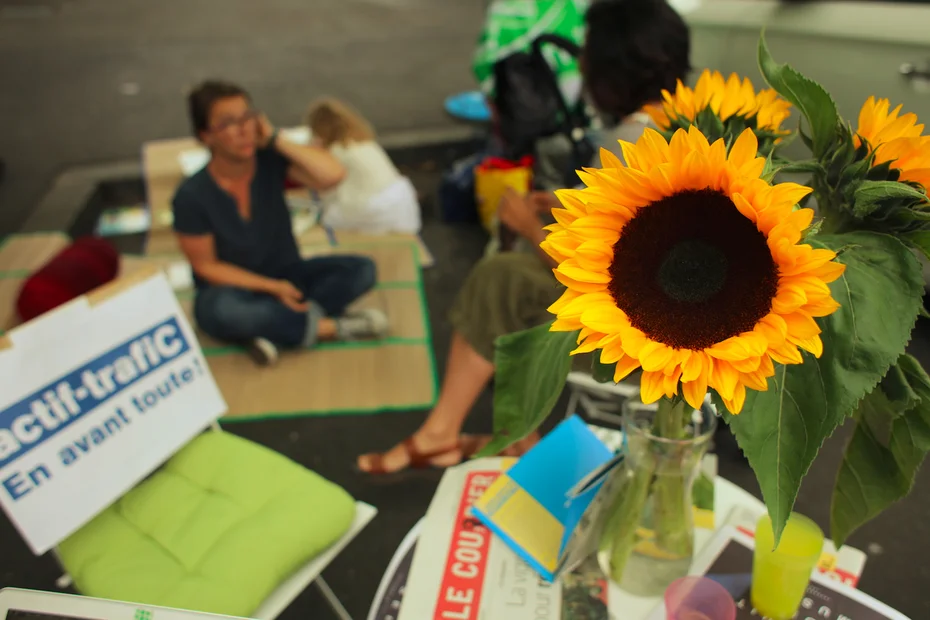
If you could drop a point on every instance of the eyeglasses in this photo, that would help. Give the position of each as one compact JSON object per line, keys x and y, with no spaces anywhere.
{"x":230,"y":123}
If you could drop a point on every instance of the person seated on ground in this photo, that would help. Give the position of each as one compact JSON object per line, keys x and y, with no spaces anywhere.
{"x":634,"y":49}
{"x":232,"y":222}
{"x":373,"y":197}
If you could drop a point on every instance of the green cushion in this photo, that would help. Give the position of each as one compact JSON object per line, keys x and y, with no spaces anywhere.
{"x":216,"y":529}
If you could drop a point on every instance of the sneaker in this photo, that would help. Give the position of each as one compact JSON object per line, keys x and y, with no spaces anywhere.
{"x":263,"y":352}
{"x":363,"y":324}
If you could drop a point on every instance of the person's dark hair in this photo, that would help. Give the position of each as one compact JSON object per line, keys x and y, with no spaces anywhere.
{"x":633,"y":50}
{"x":201,"y":100}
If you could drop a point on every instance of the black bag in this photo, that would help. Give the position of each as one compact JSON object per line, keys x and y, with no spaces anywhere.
{"x":530,"y":105}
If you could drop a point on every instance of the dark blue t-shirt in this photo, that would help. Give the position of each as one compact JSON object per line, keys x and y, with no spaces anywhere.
{"x":265,"y":243}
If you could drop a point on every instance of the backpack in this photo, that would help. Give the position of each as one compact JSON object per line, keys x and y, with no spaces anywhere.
{"x":530,"y":105}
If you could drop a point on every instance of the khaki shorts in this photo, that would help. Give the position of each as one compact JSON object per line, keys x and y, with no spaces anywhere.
{"x":504,"y":293}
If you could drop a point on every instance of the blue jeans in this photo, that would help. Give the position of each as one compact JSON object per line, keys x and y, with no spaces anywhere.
{"x":329,"y":283}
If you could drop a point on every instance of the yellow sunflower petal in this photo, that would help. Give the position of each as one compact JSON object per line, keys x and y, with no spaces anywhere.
{"x":821,"y":308}
{"x":744,"y":207}
{"x":583,"y":287}
{"x":611,"y":353}
{"x":695,"y":364}
{"x":567,"y":297}
{"x":654,"y":356}
{"x":625,"y":366}
{"x":571,"y":200}
{"x":609,"y":160}
{"x":735,"y":404}
{"x":745,"y":149}
{"x":896,"y":138}
{"x":754,"y":380}
{"x":724,"y":378}
{"x":811,"y":344}
{"x":829,"y":272}
{"x":789,"y":194}
{"x":801,"y":325}
{"x":604,"y":317}
{"x":652,"y":149}
{"x":739,"y":347}
{"x":575,"y":307}
{"x":633,"y":341}
{"x":570,"y":268}
{"x":694,"y":390}
{"x":651,"y":386}
{"x":749,"y":364}
{"x":589,"y":345}
{"x":670,"y":382}
{"x":788,"y":298}
{"x":787,"y":353}
{"x":565,"y":325}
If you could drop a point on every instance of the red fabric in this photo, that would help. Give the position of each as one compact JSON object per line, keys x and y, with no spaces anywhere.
{"x":84,"y":265}
{"x":290,"y":184}
{"x":499,"y":163}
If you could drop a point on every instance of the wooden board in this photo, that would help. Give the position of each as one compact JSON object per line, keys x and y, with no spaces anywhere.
{"x":348,"y":239}
{"x":162,"y":171}
{"x":395,"y":262}
{"x":327,"y":381}
{"x":9,"y":290}
{"x":24,"y":254}
{"x":397,"y":373}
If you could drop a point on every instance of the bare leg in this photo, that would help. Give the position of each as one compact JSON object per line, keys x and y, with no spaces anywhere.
{"x":466,"y":376}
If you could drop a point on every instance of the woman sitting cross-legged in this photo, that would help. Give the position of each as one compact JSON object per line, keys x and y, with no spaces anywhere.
{"x":234,"y":226}
{"x":633,"y":50}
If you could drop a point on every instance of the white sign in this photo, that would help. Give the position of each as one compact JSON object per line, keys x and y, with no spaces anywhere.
{"x":92,"y":399}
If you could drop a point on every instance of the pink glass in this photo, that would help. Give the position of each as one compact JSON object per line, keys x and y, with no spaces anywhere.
{"x":698,"y":598}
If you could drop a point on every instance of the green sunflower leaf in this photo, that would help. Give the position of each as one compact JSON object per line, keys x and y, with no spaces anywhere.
{"x":808,"y":96}
{"x":870,"y":194}
{"x":531,"y":367}
{"x":878,"y":471}
{"x":781,"y":430}
{"x":919,"y":239}
{"x":798,"y":167}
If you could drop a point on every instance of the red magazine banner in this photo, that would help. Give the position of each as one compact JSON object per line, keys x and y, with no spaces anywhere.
{"x":463,"y":577}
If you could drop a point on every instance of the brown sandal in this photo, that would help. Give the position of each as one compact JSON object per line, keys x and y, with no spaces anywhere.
{"x":421,"y":460}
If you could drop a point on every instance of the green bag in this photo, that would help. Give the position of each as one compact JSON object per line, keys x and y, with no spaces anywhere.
{"x":512,"y":25}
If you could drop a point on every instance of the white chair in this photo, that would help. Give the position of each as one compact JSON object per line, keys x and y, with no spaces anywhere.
{"x":135,"y":488}
{"x":599,"y":401}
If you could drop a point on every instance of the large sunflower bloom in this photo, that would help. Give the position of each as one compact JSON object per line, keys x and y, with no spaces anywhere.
{"x":726,"y":97}
{"x":686,"y":263}
{"x":897,"y":139}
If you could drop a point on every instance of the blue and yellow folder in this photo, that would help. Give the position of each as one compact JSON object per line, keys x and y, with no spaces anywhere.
{"x":537,"y":505}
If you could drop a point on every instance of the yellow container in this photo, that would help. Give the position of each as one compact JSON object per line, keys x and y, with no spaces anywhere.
{"x":780,"y":576}
{"x":490,"y":185}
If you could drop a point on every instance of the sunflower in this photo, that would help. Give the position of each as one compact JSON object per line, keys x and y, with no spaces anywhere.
{"x":730,"y":100}
{"x":896,"y":139}
{"x":686,"y":263}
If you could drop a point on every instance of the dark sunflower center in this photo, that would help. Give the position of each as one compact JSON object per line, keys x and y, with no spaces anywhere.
{"x":690,"y":270}
{"x":693,"y":271}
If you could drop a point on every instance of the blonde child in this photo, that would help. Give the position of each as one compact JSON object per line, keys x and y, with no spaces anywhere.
{"x":374,"y":197}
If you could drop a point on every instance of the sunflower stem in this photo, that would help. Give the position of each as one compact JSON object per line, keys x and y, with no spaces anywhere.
{"x":619,"y":535}
{"x":672,"y":516}
{"x":654,"y":470}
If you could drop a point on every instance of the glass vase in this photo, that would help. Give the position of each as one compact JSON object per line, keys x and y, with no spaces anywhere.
{"x":647,"y":536}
